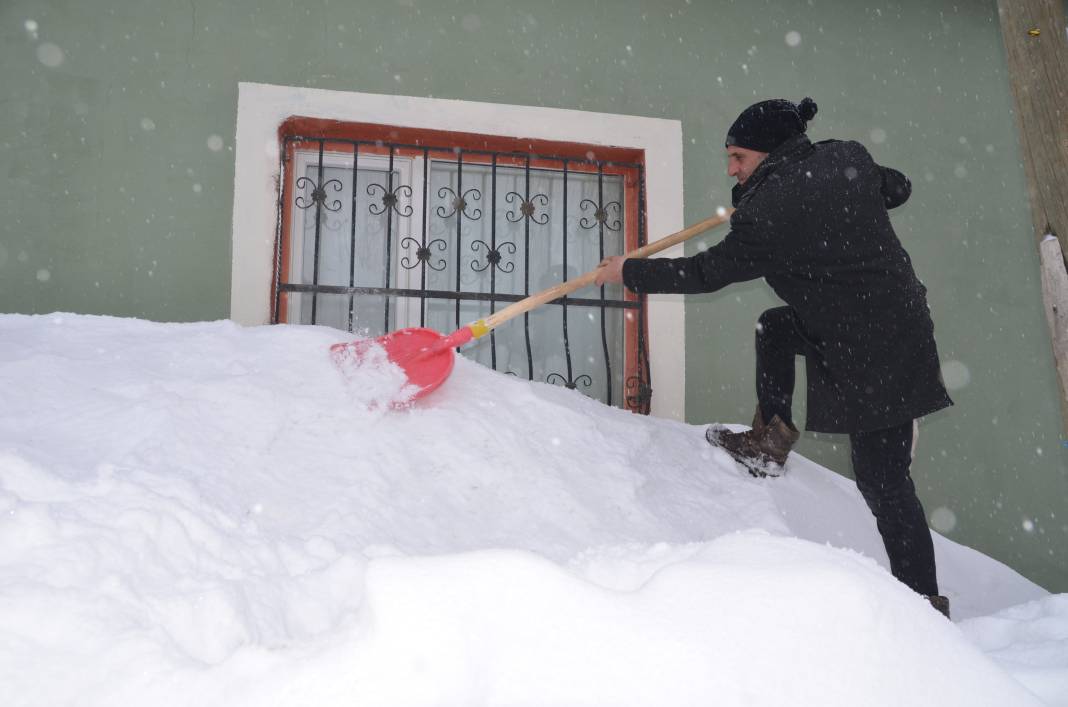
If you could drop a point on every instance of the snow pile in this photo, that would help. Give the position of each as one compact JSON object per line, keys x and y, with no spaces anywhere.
{"x":1031,"y":642}
{"x":205,"y":514}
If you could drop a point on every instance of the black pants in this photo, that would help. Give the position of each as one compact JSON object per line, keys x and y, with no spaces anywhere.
{"x":881,"y":458}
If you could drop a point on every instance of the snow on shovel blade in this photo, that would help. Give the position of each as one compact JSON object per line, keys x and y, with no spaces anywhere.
{"x":425,"y":356}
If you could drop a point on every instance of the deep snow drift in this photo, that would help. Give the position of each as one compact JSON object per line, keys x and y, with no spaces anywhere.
{"x":201,"y":514}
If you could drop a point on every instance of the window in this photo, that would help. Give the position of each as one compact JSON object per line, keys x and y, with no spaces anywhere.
{"x":381,"y":228}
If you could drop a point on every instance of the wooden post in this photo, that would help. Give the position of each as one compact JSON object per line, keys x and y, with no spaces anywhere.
{"x":1036,"y":44}
{"x":1055,"y":291}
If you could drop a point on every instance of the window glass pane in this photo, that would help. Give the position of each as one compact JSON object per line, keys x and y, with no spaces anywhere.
{"x":325,"y":207}
{"x":522,"y":228}
{"x":521,"y":239}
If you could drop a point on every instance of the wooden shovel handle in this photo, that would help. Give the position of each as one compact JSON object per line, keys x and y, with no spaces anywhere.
{"x":483,"y":326}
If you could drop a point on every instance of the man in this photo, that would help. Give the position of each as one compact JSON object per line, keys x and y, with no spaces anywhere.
{"x":812,"y":220}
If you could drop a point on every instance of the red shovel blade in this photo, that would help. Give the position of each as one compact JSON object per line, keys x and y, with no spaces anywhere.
{"x":425,"y":356}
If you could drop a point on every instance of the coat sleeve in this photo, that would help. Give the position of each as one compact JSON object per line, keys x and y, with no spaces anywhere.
{"x":745,"y":254}
{"x":896,"y":187}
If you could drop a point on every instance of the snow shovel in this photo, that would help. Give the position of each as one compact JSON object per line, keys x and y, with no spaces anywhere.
{"x":427,"y":357}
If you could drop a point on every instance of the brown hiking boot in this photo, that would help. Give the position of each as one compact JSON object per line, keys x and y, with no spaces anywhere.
{"x":761,"y":450}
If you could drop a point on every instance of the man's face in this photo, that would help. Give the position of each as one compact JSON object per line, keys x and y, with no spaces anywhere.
{"x":742,"y":161}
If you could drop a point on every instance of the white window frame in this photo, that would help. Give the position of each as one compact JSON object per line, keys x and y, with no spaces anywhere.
{"x":262,"y":108}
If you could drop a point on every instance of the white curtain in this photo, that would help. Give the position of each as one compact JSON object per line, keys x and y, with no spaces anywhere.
{"x":531,"y":248}
{"x":336,"y":266}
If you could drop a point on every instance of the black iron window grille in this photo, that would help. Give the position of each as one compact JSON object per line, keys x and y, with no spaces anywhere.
{"x":375,"y":236}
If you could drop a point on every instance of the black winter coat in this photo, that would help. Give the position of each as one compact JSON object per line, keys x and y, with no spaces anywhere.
{"x":812,"y":221}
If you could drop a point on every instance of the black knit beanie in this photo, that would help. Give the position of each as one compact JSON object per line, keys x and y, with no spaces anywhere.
{"x":766,"y":125}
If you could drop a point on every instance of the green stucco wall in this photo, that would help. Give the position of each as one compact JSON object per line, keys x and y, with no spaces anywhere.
{"x":117,"y":124}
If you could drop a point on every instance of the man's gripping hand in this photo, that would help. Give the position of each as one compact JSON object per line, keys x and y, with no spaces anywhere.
{"x":610,"y":270}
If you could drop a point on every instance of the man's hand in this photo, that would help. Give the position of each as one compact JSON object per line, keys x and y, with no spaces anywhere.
{"x":610,"y":270}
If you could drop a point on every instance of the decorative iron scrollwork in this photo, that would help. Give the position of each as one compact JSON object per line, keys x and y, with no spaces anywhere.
{"x":451,"y":196}
{"x":600,"y":214}
{"x":318,"y":194}
{"x":638,"y":400}
{"x":422,"y":254}
{"x":527,"y":208}
{"x":584,"y":380}
{"x":390,"y":200}
{"x":493,"y":256}
{"x":459,"y":204}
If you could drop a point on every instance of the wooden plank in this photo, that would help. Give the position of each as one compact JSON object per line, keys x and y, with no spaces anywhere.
{"x":1055,"y":292}
{"x":1036,"y":47}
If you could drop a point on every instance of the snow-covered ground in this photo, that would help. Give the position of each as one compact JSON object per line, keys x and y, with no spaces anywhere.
{"x":203,"y":514}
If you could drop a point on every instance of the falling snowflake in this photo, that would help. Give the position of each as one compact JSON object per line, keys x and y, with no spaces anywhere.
{"x":943,"y":520}
{"x":50,"y":55}
{"x":956,"y":375}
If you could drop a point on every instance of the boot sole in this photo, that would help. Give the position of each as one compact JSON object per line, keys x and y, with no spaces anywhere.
{"x":761,"y":469}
